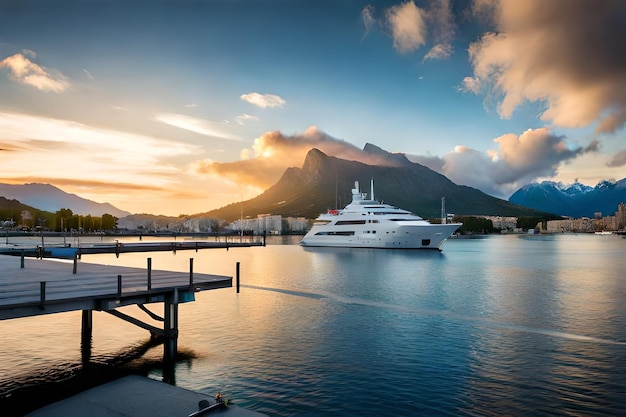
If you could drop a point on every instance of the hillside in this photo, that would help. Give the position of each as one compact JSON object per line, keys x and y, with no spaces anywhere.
{"x":325,"y":182}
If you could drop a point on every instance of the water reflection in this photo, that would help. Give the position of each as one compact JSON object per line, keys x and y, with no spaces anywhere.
{"x":495,"y":326}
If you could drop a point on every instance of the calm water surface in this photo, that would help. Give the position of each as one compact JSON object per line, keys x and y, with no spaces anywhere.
{"x":503,"y":325}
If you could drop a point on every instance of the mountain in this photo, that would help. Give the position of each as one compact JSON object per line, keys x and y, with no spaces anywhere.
{"x":325,"y":182}
{"x":49,"y":198}
{"x":575,"y":200}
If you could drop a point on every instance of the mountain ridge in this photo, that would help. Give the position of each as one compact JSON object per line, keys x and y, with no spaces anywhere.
{"x":572,"y":200}
{"x":47,"y":197}
{"x":325,"y":182}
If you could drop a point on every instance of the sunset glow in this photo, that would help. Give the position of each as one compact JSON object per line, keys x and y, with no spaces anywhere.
{"x":183,"y":108}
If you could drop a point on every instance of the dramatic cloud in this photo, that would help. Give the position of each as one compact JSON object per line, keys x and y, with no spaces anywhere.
{"x":24,"y":71}
{"x":263,"y":100}
{"x":517,"y":161}
{"x":566,"y":54}
{"x":274,"y":152}
{"x":193,"y":124}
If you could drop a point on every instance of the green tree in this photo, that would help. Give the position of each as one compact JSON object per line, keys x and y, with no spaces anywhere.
{"x":64,"y":216}
{"x":109,"y":222}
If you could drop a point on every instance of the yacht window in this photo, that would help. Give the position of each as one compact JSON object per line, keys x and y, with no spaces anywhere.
{"x":334,"y":233}
{"x":343,"y":222}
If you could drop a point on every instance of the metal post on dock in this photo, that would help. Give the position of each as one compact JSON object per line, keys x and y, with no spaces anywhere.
{"x":22,"y":260}
{"x":42,"y":295}
{"x":75,"y":263}
{"x":149,"y":274}
{"x":119,"y":285}
{"x":237,"y":277}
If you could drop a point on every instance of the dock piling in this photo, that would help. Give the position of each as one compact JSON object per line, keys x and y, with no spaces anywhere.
{"x":119,"y":285}
{"x":22,"y":260}
{"x":75,"y":263}
{"x":149,"y":274}
{"x":237,"y":275}
{"x":191,"y":274}
{"x":42,"y":295}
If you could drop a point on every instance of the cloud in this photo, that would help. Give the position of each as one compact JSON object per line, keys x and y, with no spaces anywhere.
{"x":56,"y":148}
{"x":264,"y":100}
{"x":242,"y":118}
{"x":618,"y":160}
{"x":408,"y":26}
{"x":193,"y":124}
{"x":517,"y":161}
{"x":367,"y":14}
{"x":24,"y":71}
{"x":441,"y":22}
{"x":413,"y":27}
{"x":273,"y":152}
{"x":568,"y":55}
{"x":470,"y":85}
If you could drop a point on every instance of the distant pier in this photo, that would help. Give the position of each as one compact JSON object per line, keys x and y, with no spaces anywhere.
{"x":68,"y":251}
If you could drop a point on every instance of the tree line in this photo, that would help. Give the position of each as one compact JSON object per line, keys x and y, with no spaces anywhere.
{"x":63,"y":220}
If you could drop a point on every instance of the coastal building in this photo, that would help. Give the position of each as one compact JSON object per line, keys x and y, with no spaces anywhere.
{"x":587,"y":225}
{"x":263,"y":223}
{"x":503,"y":223}
{"x":271,"y":224}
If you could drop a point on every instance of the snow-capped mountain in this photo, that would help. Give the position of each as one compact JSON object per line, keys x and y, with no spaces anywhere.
{"x":574,"y":200}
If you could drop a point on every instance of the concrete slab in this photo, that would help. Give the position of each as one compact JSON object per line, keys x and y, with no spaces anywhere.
{"x":136,"y":396}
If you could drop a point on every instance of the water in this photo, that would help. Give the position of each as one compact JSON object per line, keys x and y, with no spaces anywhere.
{"x":503,"y":325}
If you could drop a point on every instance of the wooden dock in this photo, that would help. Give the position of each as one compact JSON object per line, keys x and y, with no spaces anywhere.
{"x":30,"y":287}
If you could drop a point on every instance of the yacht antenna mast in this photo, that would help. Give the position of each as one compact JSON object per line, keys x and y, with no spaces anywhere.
{"x":443,"y":210}
{"x":372,"y":189}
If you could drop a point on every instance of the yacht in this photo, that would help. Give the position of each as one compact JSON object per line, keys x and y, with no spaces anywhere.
{"x":369,"y":223}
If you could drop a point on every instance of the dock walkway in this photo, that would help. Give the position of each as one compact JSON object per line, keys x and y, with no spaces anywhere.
{"x":137,"y":396}
{"x":44,"y":286}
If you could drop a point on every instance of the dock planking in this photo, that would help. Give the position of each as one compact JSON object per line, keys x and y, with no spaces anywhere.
{"x":91,"y":287}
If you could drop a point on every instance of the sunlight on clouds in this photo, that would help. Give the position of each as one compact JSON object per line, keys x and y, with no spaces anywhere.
{"x":407,"y":26}
{"x":566,"y":56}
{"x":263,"y":100}
{"x":24,"y":71}
{"x":193,"y":124}
{"x":412,"y":27}
{"x":273,"y":152}
{"x":54,"y":148}
{"x":517,"y":161}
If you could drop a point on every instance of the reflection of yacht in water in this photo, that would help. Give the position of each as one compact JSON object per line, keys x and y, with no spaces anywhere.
{"x":371,"y":224}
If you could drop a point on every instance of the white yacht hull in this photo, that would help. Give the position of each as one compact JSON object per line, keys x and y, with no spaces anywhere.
{"x":430,"y":236}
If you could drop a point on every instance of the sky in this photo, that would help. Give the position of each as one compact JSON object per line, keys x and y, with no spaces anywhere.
{"x":179,"y":107}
